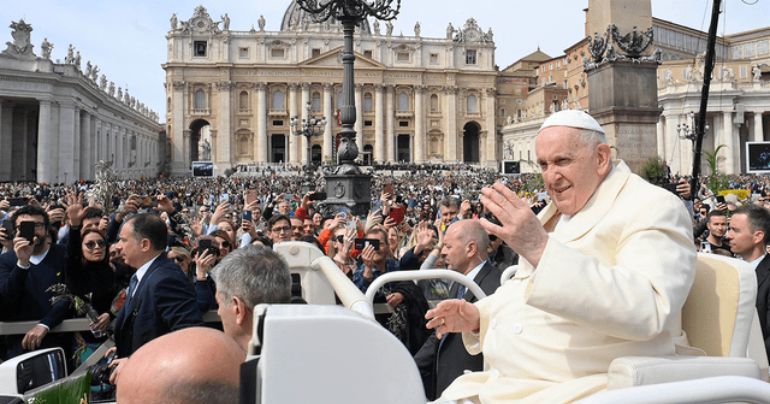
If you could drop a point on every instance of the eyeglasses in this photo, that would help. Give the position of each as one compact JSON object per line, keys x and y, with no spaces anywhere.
{"x":281,"y":229}
{"x":340,"y":238}
{"x":179,"y":258}
{"x":94,"y":244}
{"x":492,"y":237}
{"x":224,"y":244}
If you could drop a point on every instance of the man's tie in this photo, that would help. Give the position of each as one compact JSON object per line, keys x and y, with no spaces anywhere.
{"x":460,"y":292}
{"x":131,"y":289}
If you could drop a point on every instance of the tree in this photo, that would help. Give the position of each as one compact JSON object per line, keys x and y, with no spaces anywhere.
{"x":716,"y":181}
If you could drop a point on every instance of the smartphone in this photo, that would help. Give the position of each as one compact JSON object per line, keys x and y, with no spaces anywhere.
{"x":247,"y":215}
{"x":17,"y":201}
{"x":145,"y":202}
{"x":7,"y":225}
{"x":318,"y":196}
{"x":720,"y":199}
{"x":360,"y":243}
{"x":207,"y":245}
{"x":397,"y":214}
{"x":671,"y":187}
{"x":27,"y":230}
{"x":251,"y":196}
{"x":705,"y":247}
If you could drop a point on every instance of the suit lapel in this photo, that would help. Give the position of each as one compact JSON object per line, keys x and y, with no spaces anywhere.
{"x":763,"y":270}
{"x":479,"y":279}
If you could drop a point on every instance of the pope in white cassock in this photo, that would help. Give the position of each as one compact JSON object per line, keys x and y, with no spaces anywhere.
{"x":605,"y":271}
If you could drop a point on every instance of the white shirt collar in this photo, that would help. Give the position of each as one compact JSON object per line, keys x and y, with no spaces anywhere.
{"x":756,"y":262}
{"x":475,"y":271}
{"x":37,"y":259}
{"x":142,"y":271}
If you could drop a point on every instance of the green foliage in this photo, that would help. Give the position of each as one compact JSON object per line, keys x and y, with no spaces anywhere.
{"x":716,"y":181}
{"x":67,"y":392}
{"x":654,"y":170}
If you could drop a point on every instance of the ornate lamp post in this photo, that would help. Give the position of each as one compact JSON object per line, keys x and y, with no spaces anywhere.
{"x":689,"y":131}
{"x":308,"y":127}
{"x":346,"y":185}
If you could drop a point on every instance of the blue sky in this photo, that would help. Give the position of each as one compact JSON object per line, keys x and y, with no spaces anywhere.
{"x":127,"y":38}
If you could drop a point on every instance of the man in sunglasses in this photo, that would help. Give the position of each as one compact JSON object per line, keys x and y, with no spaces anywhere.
{"x":26,"y":273}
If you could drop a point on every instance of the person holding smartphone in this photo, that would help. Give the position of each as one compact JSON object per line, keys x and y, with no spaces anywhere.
{"x":26,"y":273}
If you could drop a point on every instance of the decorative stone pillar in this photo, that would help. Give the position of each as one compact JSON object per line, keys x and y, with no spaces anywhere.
{"x":78,"y":135}
{"x":330,"y":118}
{"x":221,"y":149}
{"x":6,"y":130}
{"x":379,"y":133}
{"x":294,"y":143}
{"x":86,"y":147}
{"x":305,"y":117}
{"x":45,"y":144}
{"x":187,"y":142}
{"x":261,"y":123}
{"x":359,"y":125}
{"x":390,"y":124}
{"x":67,"y":117}
{"x":450,"y":137}
{"x":419,"y":125}
{"x":491,"y":144}
{"x":758,"y":135}
{"x":660,"y":129}
{"x":672,"y":156}
{"x":179,"y":159}
{"x":729,"y":141}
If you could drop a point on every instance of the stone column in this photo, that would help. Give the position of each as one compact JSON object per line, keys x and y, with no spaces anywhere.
{"x":729,"y":141}
{"x":330,"y":118}
{"x":78,"y":136}
{"x":179,"y":159}
{"x":491,"y":145}
{"x":359,"y":125}
{"x":261,"y":123}
{"x":672,"y":156}
{"x":86,"y":147}
{"x":390,"y":124}
{"x":294,"y":143}
{"x":419,"y":125}
{"x":758,"y":135}
{"x":222,"y":147}
{"x":661,"y":135}
{"x":67,"y":117}
{"x":305,"y":117}
{"x":47,"y":156}
{"x":379,"y":133}
{"x":450,"y":136}
{"x":186,"y":141}
{"x":6,"y":130}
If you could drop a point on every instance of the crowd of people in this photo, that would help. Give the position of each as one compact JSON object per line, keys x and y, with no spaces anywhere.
{"x":158,"y":254}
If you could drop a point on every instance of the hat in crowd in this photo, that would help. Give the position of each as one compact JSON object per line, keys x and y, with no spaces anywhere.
{"x":574,"y":119}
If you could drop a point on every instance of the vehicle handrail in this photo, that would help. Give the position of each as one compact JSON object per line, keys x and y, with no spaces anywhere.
{"x":350,"y":296}
{"x":508,"y":273}
{"x":423,"y":274}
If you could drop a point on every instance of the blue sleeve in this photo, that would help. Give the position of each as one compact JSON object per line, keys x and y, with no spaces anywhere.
{"x":205,"y":295}
{"x":176,"y":302}
{"x":12,"y":280}
{"x":358,"y":278}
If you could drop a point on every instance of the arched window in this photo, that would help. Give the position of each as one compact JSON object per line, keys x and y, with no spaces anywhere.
{"x":434,"y":103}
{"x":368,"y":102}
{"x":277,"y":103}
{"x":403,"y":102}
{"x":243,"y":101}
{"x":473,"y":104}
{"x":199,"y":101}
{"x":315,"y":101}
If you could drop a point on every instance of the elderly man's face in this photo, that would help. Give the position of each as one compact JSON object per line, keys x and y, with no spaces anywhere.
{"x":572,"y":170}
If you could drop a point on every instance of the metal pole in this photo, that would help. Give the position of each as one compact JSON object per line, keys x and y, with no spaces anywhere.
{"x":348,"y":150}
{"x":700,"y":128}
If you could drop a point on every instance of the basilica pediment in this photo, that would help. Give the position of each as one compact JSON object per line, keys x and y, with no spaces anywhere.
{"x":333,"y":58}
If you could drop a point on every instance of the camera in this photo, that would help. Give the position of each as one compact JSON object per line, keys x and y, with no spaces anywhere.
{"x":101,"y":371}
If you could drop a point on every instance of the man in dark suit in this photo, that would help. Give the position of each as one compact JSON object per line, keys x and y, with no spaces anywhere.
{"x":25,"y":275}
{"x":749,"y":230}
{"x":160,"y":298}
{"x":442,"y":360}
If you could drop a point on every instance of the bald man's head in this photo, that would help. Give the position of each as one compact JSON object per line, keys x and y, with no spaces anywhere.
{"x":465,"y":245}
{"x":190,"y":366}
